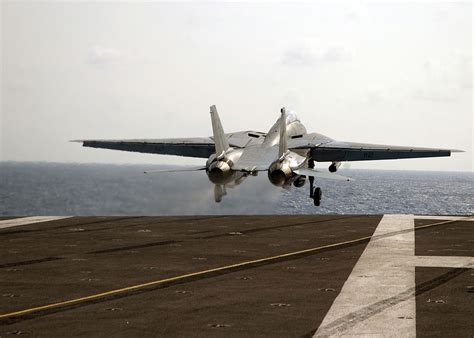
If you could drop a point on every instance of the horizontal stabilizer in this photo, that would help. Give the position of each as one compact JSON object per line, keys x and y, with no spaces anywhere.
{"x":321,"y":174}
{"x":175,"y":170}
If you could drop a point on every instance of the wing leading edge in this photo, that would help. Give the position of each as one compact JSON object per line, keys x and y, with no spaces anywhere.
{"x":196,"y":147}
{"x":335,"y":151}
{"x":200,"y":147}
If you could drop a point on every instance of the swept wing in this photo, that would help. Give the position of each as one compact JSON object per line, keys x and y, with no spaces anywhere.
{"x":324,"y":149}
{"x":200,"y":147}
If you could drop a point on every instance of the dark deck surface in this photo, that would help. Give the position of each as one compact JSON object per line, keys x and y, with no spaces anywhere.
{"x":56,"y":261}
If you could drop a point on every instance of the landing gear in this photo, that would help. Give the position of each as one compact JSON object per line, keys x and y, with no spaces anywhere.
{"x":317,"y":196}
{"x":311,"y":179}
{"x":314,"y":194}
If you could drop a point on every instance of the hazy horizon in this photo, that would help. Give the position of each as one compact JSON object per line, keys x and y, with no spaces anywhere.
{"x":321,"y":165}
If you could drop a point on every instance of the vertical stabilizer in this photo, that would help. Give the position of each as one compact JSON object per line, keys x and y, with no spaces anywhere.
{"x":220,"y":140}
{"x":283,"y":137}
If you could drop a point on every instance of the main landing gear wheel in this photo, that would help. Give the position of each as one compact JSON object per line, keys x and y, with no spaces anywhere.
{"x":317,"y":196}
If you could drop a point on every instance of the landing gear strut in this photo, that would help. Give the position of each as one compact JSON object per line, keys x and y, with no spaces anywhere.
{"x":314,"y":193}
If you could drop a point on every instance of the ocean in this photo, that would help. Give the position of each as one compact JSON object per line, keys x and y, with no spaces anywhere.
{"x":31,"y":188}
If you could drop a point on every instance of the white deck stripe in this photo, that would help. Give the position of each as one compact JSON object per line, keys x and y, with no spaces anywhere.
{"x":28,"y":220}
{"x":444,"y":261}
{"x":378,"y":297}
{"x":447,"y":218}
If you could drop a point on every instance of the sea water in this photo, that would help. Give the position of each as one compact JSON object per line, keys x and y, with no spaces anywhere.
{"x":30,"y":188}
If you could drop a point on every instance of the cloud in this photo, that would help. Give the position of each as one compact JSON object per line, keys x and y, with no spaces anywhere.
{"x":335,"y":54}
{"x":104,"y":56}
{"x":305,"y":56}
{"x":435,"y":95}
{"x":444,"y":80}
{"x":301,"y":56}
{"x":356,"y":12}
{"x":441,"y":79}
{"x":456,"y":71}
{"x":376,"y":95}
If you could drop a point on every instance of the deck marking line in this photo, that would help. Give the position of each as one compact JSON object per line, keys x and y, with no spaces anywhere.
{"x":357,"y":311}
{"x":465,"y":262}
{"x":447,"y":218}
{"x":199,"y":273}
{"x":380,"y":288}
{"x":29,"y":220}
{"x":172,"y":279}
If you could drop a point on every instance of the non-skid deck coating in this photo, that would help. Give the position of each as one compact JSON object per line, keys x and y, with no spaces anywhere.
{"x":69,"y":259}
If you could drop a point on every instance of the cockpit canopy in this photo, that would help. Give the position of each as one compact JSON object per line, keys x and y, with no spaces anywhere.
{"x":294,"y":128}
{"x":291,"y":117}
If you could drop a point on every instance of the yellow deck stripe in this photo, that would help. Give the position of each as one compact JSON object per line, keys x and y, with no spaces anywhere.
{"x":171,"y":279}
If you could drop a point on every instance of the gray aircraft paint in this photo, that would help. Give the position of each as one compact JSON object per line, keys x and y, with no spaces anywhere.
{"x":283,"y":150}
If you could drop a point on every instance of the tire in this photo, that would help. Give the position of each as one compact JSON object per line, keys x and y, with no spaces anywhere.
{"x":317,"y":196}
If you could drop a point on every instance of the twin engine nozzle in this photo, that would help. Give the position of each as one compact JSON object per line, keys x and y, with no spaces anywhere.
{"x":219,"y":170}
{"x":280,"y":173}
{"x":219,"y":166}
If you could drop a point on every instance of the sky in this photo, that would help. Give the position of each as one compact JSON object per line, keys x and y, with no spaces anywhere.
{"x":398,"y":73}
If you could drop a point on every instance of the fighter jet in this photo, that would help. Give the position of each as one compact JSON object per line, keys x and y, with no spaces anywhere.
{"x":287,"y":152}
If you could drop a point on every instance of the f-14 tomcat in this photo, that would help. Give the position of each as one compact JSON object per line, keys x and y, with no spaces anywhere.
{"x":286,"y":152}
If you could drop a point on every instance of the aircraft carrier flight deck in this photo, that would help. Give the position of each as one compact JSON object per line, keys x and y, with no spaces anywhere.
{"x":238,"y":276}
